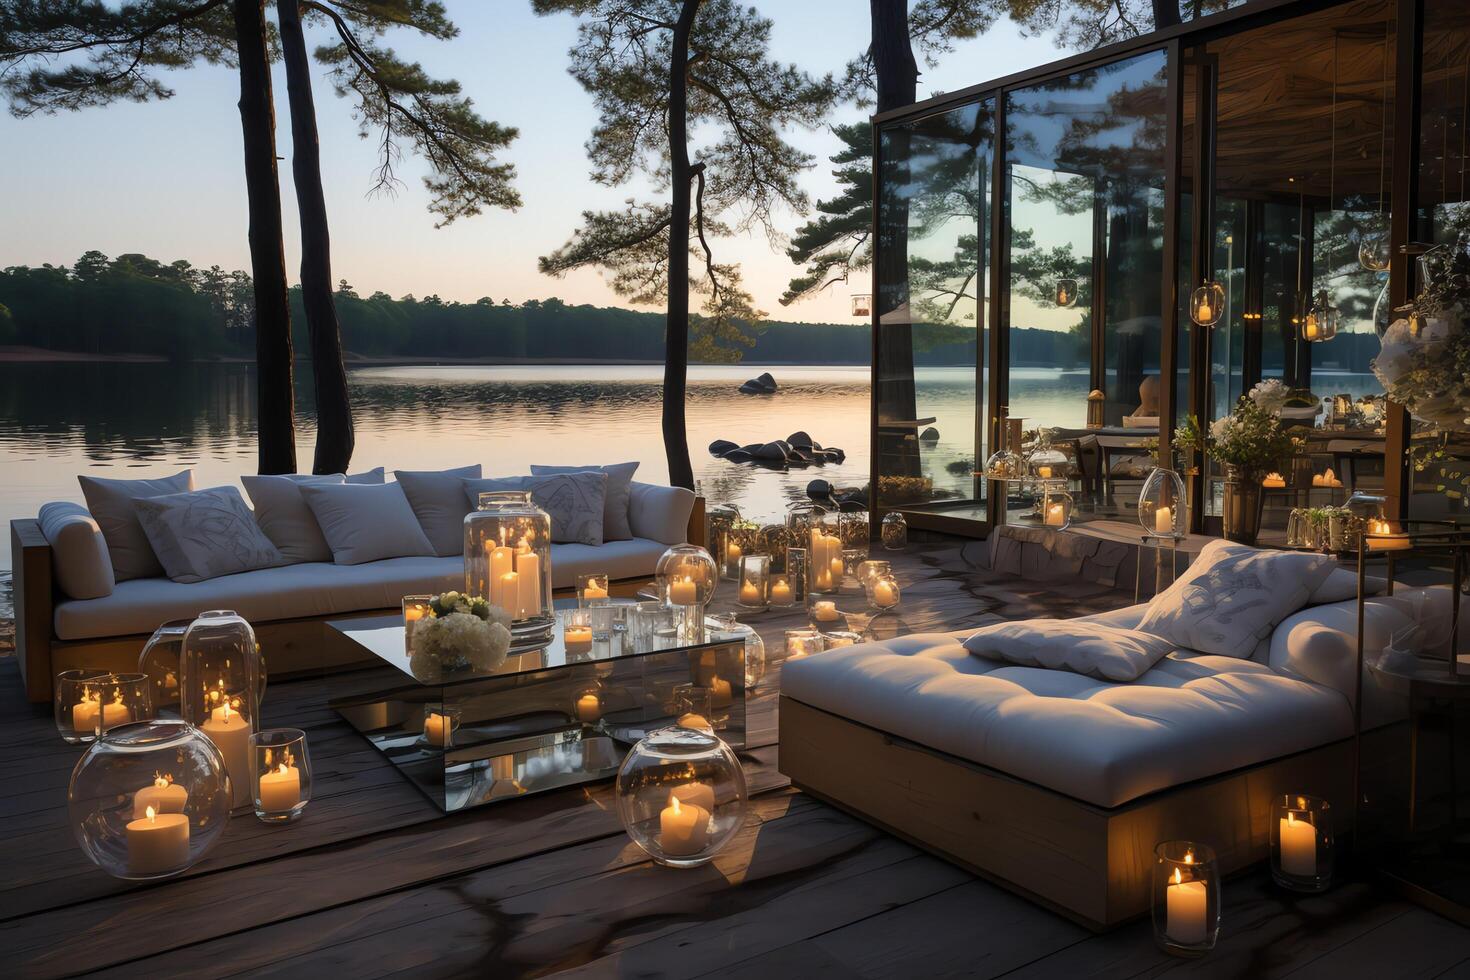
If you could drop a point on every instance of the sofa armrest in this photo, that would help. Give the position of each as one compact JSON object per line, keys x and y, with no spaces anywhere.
{"x":30,"y":559}
{"x":660,"y":513}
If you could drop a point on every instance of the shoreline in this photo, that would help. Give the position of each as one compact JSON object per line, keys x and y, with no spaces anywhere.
{"x":41,"y":355}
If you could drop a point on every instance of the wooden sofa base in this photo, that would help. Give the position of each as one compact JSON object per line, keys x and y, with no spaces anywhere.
{"x":1092,"y":864}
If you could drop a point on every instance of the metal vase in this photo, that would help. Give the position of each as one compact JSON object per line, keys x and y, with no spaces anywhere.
{"x":1242,"y":505}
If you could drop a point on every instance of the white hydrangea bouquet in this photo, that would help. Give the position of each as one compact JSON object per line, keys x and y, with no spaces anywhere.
{"x":1251,"y":438}
{"x":459,"y":632}
{"x":1424,"y":363}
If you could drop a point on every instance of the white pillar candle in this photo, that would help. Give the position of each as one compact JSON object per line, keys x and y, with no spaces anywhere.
{"x":683,"y":592}
{"x":720,"y":692}
{"x":594,"y":591}
{"x":732,"y":553}
{"x":781,"y":592}
{"x":510,"y":594}
{"x":683,"y":830}
{"x":1187,"y":905}
{"x":280,"y":789}
{"x":837,"y":568}
{"x":691,"y":720}
{"x":163,"y":795}
{"x":1298,"y":846}
{"x":697,"y":794}
{"x":1056,"y":515}
{"x":528,"y":567}
{"x":883,"y":594}
{"x":230,"y":733}
{"x":1044,"y":472}
{"x":589,"y":709}
{"x":578,"y":638}
{"x":501,"y":563}
{"x":749,"y":594}
{"x":158,"y":843}
{"x":84,"y":714}
{"x":824,"y":611}
{"x":438,"y":728}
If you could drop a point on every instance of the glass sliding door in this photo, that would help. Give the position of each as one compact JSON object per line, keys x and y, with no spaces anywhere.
{"x":932,"y":270}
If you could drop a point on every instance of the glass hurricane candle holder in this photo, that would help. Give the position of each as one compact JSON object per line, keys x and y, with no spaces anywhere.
{"x":1048,"y":463}
{"x":1186,"y":897}
{"x":280,"y":774}
{"x":883,"y":593}
{"x":577,"y":630}
{"x":440,"y":723}
{"x":87,"y":703}
{"x":1056,"y":505}
{"x":727,"y":627}
{"x":415,"y":610}
{"x":803,"y":643}
{"x":895,"y":532}
{"x":824,"y":564}
{"x":651,"y":624}
{"x":681,"y":796}
{"x":687,"y":577}
{"x":507,"y":560}
{"x":1161,"y":504}
{"x":800,"y":517}
{"x":754,"y":579}
{"x":742,"y":538}
{"x":1301,"y":843}
{"x":591,"y":588}
{"x":836,"y":639}
{"x":853,"y":528}
{"x":148,"y":800}
{"x":871,"y":569}
{"x":782,"y":595}
{"x":219,"y":669}
{"x":160,"y":661}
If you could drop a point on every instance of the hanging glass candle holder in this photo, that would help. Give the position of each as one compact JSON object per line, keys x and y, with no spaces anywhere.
{"x":1186,"y":897}
{"x":220,"y":674}
{"x":149,"y":800}
{"x":681,"y":796}
{"x":87,"y":703}
{"x":1374,"y":253}
{"x":825,"y":566}
{"x":883,"y":592}
{"x":1065,"y":295}
{"x":1301,"y":843}
{"x":1207,"y":303}
{"x":1056,"y":505}
{"x":895,"y":531}
{"x":1322,"y":319}
{"x":754,"y":579}
{"x":687,"y":577}
{"x":507,"y":560}
{"x":1161,"y":504}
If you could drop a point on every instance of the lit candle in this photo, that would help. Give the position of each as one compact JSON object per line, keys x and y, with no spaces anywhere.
{"x":414,"y":612}
{"x":683,"y":592}
{"x":1298,"y":846}
{"x":1164,"y":520}
{"x":1187,"y":904}
{"x":280,"y":788}
{"x":781,"y":593}
{"x":509,"y":592}
{"x":837,"y":569}
{"x":502,"y":563}
{"x":824,"y":611}
{"x":163,"y":796}
{"x":683,"y":829}
{"x":1206,"y":311}
{"x":1044,"y":472}
{"x":732,"y":553}
{"x":701,"y":795}
{"x":883,"y":594}
{"x":158,"y":843}
{"x":691,"y":720}
{"x":578,"y":638}
{"x":528,"y":567}
{"x":438,"y":728}
{"x":824,"y":580}
{"x":594,"y":590}
{"x":84,"y":713}
{"x":230,"y":733}
{"x":749,"y":594}
{"x":720,"y":692}
{"x":1056,"y":515}
{"x":1274,"y":481}
{"x":589,"y":709}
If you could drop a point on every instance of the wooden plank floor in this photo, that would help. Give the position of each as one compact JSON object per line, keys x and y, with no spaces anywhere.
{"x":375,"y":881}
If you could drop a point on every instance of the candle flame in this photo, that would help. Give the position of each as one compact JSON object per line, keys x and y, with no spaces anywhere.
{"x":151,"y":814}
{"x":161,"y":781}
{"x":1290,"y":819}
{"x":282,"y":768}
{"x":674,"y":804}
{"x":117,"y":695}
{"x":1189,"y":856}
{"x":1178,"y":878}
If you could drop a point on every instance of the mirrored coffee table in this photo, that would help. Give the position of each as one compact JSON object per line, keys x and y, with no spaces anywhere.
{"x":545,"y":718}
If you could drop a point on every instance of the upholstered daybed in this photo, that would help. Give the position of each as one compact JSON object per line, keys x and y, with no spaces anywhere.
{"x":1059,"y":784}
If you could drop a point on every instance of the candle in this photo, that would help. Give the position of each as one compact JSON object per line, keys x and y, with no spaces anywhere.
{"x":509,"y":593}
{"x":86,"y":713}
{"x":502,"y":563}
{"x":280,"y":788}
{"x":781,"y":593}
{"x":1187,"y":904}
{"x":824,"y":611}
{"x":1044,"y":472}
{"x":837,"y":569}
{"x":701,"y":795}
{"x":683,"y":592}
{"x":1274,"y":481}
{"x":1298,"y":846}
{"x":683,"y":829}
{"x":158,"y":843}
{"x":594,"y":591}
{"x":1390,"y":542}
{"x":414,"y":613}
{"x":589,"y":709}
{"x":162,"y":796}
{"x":1056,"y":515}
{"x":230,"y":733}
{"x":691,"y":720}
{"x":1164,"y":520}
{"x":578,"y":638}
{"x":732,"y":553}
{"x":883,"y":594}
{"x":438,"y":728}
{"x":750,"y":595}
{"x":528,"y":567}
{"x":719,"y":692}
{"x":1206,"y":312}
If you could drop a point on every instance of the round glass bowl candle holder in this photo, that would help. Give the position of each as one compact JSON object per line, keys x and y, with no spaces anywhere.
{"x":1301,"y":843}
{"x":895,"y":532}
{"x":280,"y":774}
{"x":148,"y":800}
{"x":687,"y":577}
{"x":883,"y":593}
{"x":507,"y":560}
{"x":219,"y":670}
{"x":591,"y":588}
{"x":727,"y":627}
{"x":1186,"y":897}
{"x":754,"y":581}
{"x":87,"y":703}
{"x":1162,"y":504}
{"x":681,"y":796}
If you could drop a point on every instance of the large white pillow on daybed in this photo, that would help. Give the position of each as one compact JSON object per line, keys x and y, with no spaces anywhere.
{"x":204,"y":534}
{"x":1232,"y":596}
{"x":439,"y":502}
{"x":1096,"y":650}
{"x":111,"y":504}
{"x":366,"y":523}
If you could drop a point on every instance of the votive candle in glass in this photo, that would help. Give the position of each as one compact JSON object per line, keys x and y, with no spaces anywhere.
{"x":803,"y":643}
{"x":755,"y":573}
{"x":591,"y":587}
{"x":87,"y":703}
{"x":1301,"y":843}
{"x":280,"y":774}
{"x":1186,"y":897}
{"x":440,"y":722}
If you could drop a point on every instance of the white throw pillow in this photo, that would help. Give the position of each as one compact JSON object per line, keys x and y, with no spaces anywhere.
{"x":111,"y":503}
{"x":615,"y":525}
{"x":205,"y":534}
{"x":574,"y":501}
{"x":438,"y":501}
{"x":282,"y":514}
{"x":1340,"y":584}
{"x":366,"y":523}
{"x":79,"y":558}
{"x":1105,"y":652}
{"x":1232,"y":596}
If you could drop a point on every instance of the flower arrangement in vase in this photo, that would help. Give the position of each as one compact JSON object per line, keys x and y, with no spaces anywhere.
{"x":1424,"y":360}
{"x":459,"y":632}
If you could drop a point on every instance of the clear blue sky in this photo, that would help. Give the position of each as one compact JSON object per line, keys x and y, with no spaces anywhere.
{"x":165,"y":178}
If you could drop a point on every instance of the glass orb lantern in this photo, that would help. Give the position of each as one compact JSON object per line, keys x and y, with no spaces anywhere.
{"x":895,"y":531}
{"x":687,"y":577}
{"x":149,"y":800}
{"x":1186,"y":897}
{"x":220,"y":674}
{"x":1066,"y":293}
{"x":1161,"y":504}
{"x":681,"y":796}
{"x":1322,"y":320}
{"x":1046,"y":462}
{"x":1207,"y":303}
{"x":507,"y":561}
{"x":883,"y":592}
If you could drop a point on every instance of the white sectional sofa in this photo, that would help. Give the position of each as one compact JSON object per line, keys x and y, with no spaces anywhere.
{"x":57,"y":630}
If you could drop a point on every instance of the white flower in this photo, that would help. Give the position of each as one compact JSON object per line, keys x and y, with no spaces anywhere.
{"x":445,"y":640}
{"x":1270,"y":396}
{"x":1220,"y":428}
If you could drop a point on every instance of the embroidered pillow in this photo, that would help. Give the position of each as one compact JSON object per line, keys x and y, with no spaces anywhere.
{"x":575,"y":501}
{"x":205,"y":534}
{"x":615,"y":523}
{"x":1105,"y":652}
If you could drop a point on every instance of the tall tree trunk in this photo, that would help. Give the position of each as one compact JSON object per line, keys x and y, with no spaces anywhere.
{"x":1166,"y":13}
{"x":676,"y":328}
{"x":334,"y":438}
{"x":275,"y":407}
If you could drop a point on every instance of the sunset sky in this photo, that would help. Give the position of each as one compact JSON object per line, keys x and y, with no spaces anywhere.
{"x":165,"y":178}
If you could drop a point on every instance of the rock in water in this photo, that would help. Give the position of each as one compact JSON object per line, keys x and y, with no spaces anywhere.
{"x":771,"y":452}
{"x":801,"y":440}
{"x":930,"y":434}
{"x":720,"y":447}
{"x":763,"y":385}
{"x":767,"y":382}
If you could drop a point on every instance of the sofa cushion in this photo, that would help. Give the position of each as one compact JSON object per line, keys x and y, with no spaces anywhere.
{"x":1232,"y":596}
{"x":282,"y":514}
{"x":574,"y":501}
{"x":660,"y":513}
{"x":1188,"y":718}
{"x":204,"y":534}
{"x":1096,"y":650}
{"x":111,"y":503}
{"x":438,"y":501}
{"x":634,"y":558}
{"x":79,"y":559}
{"x":615,"y":525}
{"x":1341,"y":584}
{"x":366,"y":523}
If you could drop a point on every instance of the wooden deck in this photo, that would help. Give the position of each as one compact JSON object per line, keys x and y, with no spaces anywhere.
{"x":374,"y":880}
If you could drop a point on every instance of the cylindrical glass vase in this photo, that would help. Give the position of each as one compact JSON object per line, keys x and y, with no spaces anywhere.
{"x":87,"y":703}
{"x":160,"y":661}
{"x":220,"y":673}
{"x":148,"y":800}
{"x":1186,"y":897}
{"x":755,"y":572}
{"x":854,"y":529}
{"x":507,"y":560}
{"x":895,"y":531}
{"x":1161,"y":504}
{"x":592,"y":588}
{"x":1301,"y":843}
{"x":825,"y":566}
{"x":280,"y":774}
{"x":727,"y":627}
{"x":681,"y":796}
{"x":742,"y":538}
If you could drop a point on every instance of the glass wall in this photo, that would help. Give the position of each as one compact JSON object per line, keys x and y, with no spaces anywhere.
{"x":933,"y":276}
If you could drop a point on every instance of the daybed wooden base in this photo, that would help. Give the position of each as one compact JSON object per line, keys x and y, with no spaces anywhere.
{"x":1090,"y":863}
